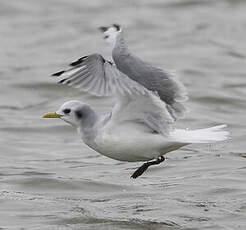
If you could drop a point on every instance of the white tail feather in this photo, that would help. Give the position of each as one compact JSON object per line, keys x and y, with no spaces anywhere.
{"x":207,"y":135}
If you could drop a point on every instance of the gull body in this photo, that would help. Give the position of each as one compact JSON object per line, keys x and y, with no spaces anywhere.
{"x":130,"y":140}
{"x":148,"y":101}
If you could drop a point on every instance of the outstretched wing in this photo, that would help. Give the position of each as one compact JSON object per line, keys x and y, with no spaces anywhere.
{"x":97,"y":76}
{"x":134,"y":102}
{"x":170,"y":90}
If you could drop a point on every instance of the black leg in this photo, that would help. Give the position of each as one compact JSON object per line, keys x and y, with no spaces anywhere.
{"x":145,"y":166}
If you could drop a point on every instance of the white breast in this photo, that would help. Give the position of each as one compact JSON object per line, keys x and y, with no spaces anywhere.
{"x":132,"y":142}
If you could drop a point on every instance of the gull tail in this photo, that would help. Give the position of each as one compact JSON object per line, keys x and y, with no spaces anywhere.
{"x":207,"y":135}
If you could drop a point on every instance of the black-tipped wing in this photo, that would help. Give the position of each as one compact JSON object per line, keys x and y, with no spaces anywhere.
{"x":99,"y":77}
{"x":134,"y":102}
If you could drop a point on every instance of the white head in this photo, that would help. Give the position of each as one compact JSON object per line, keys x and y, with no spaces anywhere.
{"x":111,"y":33}
{"x":75,"y":113}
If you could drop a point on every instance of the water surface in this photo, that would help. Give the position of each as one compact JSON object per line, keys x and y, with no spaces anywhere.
{"x":50,"y":180}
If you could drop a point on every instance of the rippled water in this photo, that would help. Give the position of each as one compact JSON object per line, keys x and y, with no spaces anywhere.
{"x":50,"y":180}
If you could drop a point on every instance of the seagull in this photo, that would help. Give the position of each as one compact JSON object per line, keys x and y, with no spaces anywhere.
{"x":148,"y":101}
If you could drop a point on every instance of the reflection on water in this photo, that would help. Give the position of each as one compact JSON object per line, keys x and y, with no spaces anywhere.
{"x":50,"y":179}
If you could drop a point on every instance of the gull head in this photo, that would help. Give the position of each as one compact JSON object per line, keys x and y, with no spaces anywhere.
{"x":110,"y":33}
{"x":75,"y":113}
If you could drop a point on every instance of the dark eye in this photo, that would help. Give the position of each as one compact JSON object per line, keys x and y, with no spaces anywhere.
{"x":66,"y":111}
{"x":79,"y":114}
{"x":106,"y":36}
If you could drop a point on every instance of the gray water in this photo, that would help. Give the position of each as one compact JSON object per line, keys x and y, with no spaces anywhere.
{"x":50,"y":180}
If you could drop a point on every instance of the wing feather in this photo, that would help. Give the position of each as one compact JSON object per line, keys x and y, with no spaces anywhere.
{"x":169,"y":89}
{"x":134,"y":102}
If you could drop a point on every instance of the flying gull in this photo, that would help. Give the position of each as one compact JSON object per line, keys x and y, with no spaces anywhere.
{"x":148,"y":101}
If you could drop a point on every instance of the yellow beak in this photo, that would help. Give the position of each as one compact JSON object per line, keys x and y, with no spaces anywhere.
{"x":51,"y":115}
